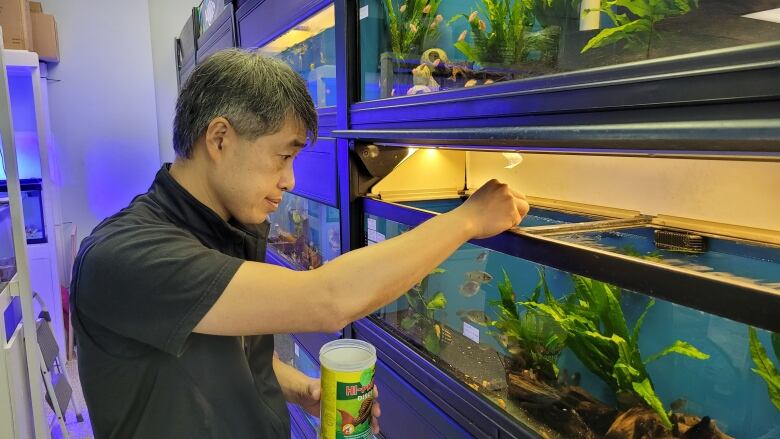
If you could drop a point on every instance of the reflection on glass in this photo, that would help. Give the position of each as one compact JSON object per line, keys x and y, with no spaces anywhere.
{"x":310,"y":49}
{"x":748,"y":262}
{"x":7,"y":255}
{"x":537,"y":216}
{"x":412,"y":47}
{"x":208,"y":11}
{"x":573,"y":357}
{"x":32,"y":206}
{"x":293,"y":354}
{"x":304,"y":232}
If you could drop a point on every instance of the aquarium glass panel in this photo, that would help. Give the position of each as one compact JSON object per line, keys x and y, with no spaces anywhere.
{"x":32,"y":206}
{"x":412,"y":47}
{"x":295,"y":355}
{"x":208,"y":12}
{"x":537,"y":216}
{"x":720,"y":257}
{"x":573,"y":357}
{"x":310,"y":49}
{"x":7,"y":255}
{"x":305,"y":232}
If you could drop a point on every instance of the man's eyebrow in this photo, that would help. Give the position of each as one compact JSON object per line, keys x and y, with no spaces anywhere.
{"x":297,"y":143}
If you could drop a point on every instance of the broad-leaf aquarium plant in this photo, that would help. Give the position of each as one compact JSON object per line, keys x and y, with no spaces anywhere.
{"x":765,"y":368}
{"x":635,"y":22}
{"x":507,"y":38}
{"x":597,"y":333}
{"x":533,"y":341}
{"x":421,"y":318}
{"x":412,"y":24}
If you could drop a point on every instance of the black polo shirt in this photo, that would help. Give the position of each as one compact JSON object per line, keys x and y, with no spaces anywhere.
{"x":141,"y":282}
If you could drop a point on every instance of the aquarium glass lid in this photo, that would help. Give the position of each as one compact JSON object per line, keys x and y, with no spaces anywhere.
{"x":722,"y":257}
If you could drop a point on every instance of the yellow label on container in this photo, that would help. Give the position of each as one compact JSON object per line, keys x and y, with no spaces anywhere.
{"x":346,"y":401}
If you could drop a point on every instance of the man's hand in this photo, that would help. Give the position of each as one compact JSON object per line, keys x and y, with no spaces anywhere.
{"x":492,"y":209}
{"x":309,"y":400}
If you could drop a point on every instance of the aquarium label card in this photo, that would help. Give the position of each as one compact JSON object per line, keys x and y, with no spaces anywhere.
{"x":364,"y":12}
{"x":371,"y":222}
{"x":471,"y":332}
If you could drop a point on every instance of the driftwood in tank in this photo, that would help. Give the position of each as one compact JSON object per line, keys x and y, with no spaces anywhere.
{"x":597,"y":415}
{"x":569,"y":410}
{"x":641,"y":422}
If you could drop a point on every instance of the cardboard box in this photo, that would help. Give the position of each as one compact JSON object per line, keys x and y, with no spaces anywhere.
{"x":16,"y":23}
{"x":45,"y":37}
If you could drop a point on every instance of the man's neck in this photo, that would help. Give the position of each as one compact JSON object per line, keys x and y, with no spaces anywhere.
{"x":191,"y":175}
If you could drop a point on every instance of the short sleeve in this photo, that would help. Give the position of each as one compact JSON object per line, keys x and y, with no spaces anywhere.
{"x":152,"y":284}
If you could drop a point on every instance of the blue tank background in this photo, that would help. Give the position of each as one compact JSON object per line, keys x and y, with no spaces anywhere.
{"x":722,"y":387}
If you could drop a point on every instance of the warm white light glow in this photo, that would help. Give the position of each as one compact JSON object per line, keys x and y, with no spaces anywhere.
{"x":308,"y":28}
{"x":772,"y":15}
{"x":512,"y":158}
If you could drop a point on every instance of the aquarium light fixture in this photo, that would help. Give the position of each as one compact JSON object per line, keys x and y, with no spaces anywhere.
{"x":772,"y":15}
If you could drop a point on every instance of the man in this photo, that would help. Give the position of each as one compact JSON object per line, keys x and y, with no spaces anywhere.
{"x":172,"y":305}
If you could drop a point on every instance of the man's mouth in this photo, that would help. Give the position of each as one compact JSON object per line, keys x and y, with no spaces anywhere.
{"x":274,"y":202}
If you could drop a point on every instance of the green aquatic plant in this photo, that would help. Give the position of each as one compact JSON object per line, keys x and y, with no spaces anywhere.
{"x":510,"y":39}
{"x":423,"y":313}
{"x":597,"y":333}
{"x":535,"y":340}
{"x":636,"y":26}
{"x":764,"y":366}
{"x":412,"y":24}
{"x":630,"y":250}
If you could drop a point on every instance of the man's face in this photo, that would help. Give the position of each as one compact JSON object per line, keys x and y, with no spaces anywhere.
{"x":255,"y":173}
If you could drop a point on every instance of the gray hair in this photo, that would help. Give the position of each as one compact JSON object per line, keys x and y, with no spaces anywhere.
{"x":255,"y":93}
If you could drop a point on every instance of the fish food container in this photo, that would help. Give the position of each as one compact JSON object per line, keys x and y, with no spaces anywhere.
{"x":347,"y":380}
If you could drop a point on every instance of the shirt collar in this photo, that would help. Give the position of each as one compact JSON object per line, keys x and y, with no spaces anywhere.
{"x":203,"y":222}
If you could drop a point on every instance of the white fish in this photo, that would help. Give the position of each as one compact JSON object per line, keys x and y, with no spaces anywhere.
{"x":469,"y":288}
{"x":474,"y":316}
{"x":479,"y":276}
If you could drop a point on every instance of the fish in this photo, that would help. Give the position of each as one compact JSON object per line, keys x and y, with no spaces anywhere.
{"x":474,"y":316}
{"x":469,"y":288}
{"x":479,"y":276}
{"x":482,"y":257}
{"x":678,"y":404}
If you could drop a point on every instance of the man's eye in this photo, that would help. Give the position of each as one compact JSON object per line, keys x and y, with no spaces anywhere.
{"x":285,"y":156}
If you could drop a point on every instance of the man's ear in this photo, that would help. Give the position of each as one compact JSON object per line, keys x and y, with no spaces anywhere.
{"x":216,"y":134}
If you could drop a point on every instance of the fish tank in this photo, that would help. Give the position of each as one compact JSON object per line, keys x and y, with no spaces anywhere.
{"x":208,"y":11}
{"x":32,"y":205}
{"x":570,"y":356}
{"x":293,"y":353}
{"x":304,"y":233}
{"x":310,"y":49}
{"x":410,"y":47}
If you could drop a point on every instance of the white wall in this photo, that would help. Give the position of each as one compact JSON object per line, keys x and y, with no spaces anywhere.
{"x":103,"y":111}
{"x":166,"y":19}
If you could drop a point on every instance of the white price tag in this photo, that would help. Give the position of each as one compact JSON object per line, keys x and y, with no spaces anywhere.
{"x":371,"y":235}
{"x":371,"y":223}
{"x":297,"y":352}
{"x":471,"y":332}
{"x":364,"y":12}
{"x":378,"y":237}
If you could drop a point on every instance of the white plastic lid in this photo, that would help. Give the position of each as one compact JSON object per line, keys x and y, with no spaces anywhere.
{"x":347,"y":355}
